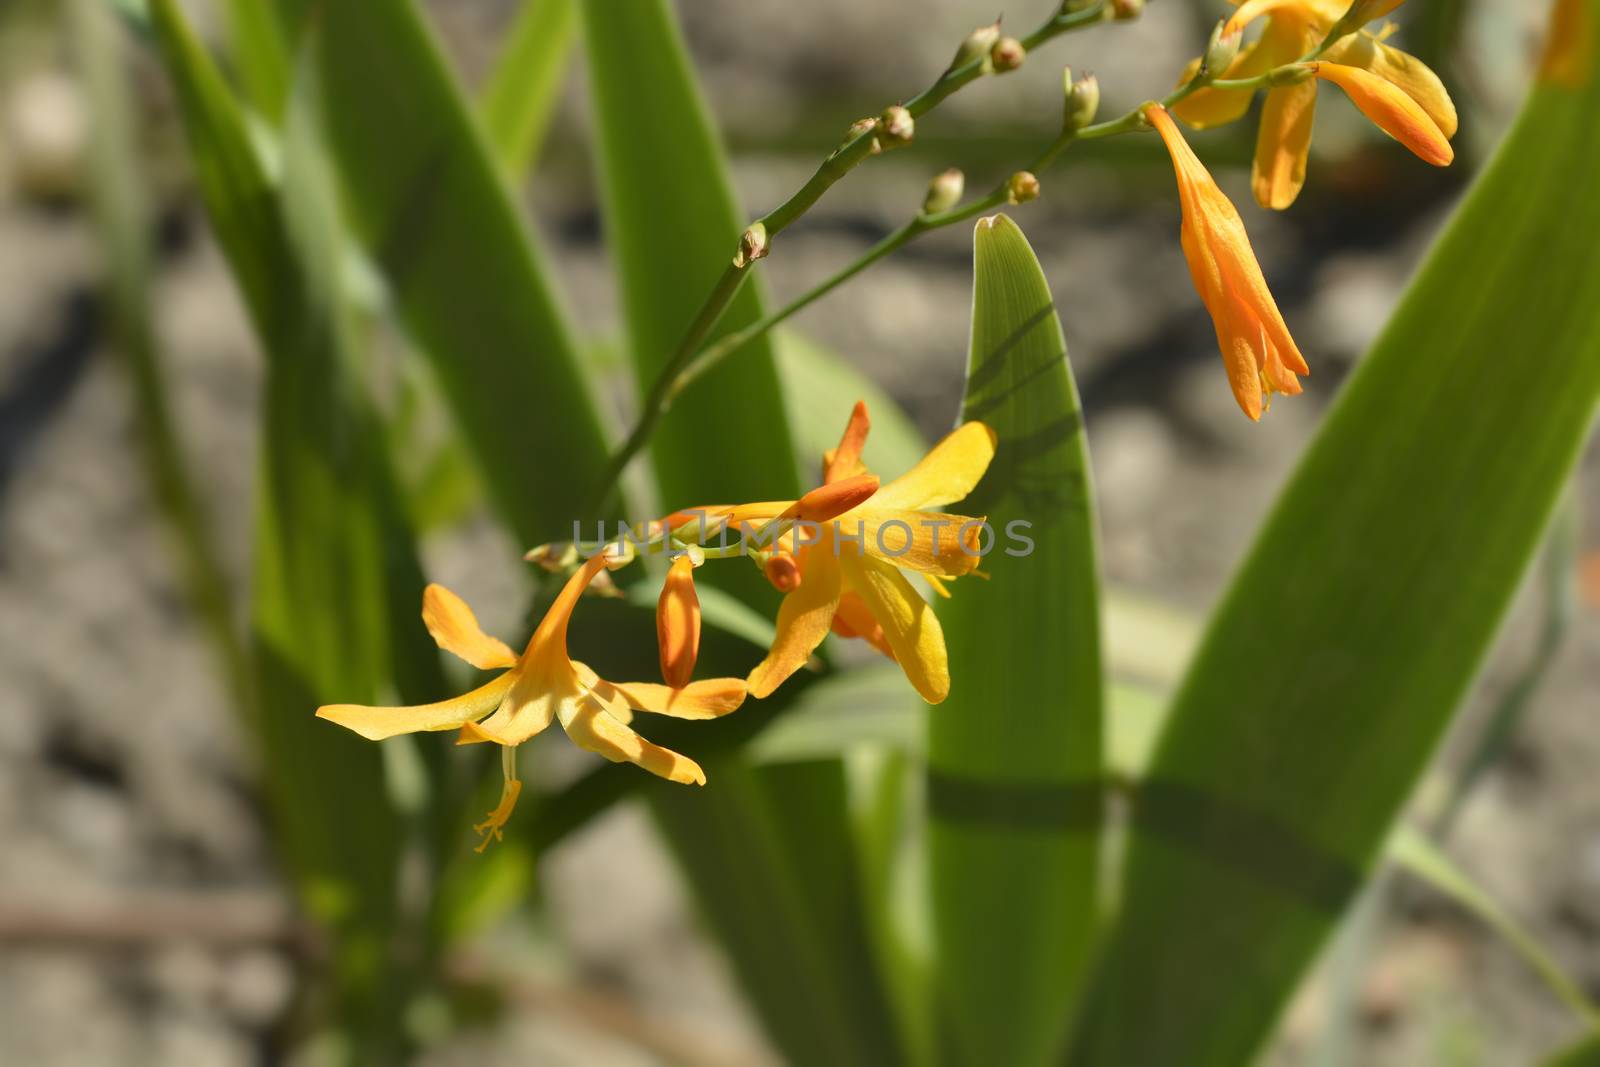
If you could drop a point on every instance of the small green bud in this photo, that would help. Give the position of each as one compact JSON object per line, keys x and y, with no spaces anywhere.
{"x":1007,"y":54}
{"x":896,"y":127}
{"x":1222,"y":49}
{"x":1022,"y":187}
{"x":1083,"y":99}
{"x":753,"y":245}
{"x":1069,"y":7}
{"x":944,"y":191}
{"x":976,"y":46}
{"x":1122,"y":10}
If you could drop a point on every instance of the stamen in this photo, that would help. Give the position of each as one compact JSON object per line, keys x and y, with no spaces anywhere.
{"x":489,"y":829}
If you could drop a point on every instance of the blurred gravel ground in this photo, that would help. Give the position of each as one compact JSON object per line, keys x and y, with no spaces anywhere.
{"x":122,"y":777}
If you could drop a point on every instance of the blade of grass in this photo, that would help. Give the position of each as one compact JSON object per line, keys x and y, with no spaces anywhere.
{"x":1586,"y":1053}
{"x":523,"y":88}
{"x":426,"y":198}
{"x":1014,"y":755}
{"x":672,"y":225}
{"x":122,"y":216}
{"x":1421,"y":858}
{"x":1359,"y":618}
{"x":328,"y":557}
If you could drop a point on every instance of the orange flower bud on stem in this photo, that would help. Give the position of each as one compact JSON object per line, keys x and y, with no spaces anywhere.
{"x":678,"y":624}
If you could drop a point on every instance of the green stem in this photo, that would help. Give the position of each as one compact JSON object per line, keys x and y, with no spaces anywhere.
{"x":839,"y":163}
{"x":655,"y":404}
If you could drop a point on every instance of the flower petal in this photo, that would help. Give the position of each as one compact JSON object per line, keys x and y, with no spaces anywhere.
{"x":949,"y":472}
{"x":929,"y":541}
{"x":709,"y":698}
{"x":845,"y":461}
{"x":540,"y":692}
{"x":854,"y":620}
{"x":376,"y":723}
{"x":803,"y":619}
{"x":1399,"y":68}
{"x":909,"y":625}
{"x":590,"y":726}
{"x":1392,"y":110}
{"x":456,"y":629}
{"x":1283,"y":143}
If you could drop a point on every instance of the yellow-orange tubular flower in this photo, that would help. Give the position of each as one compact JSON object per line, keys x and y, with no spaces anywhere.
{"x":1293,"y":29}
{"x":541,"y":686}
{"x":848,"y":579}
{"x":1257,"y":351}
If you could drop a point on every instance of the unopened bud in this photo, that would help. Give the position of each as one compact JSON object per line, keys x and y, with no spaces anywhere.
{"x":1083,"y":100}
{"x":976,"y":46}
{"x":829,"y":501}
{"x":678,"y":624}
{"x":1126,"y":9}
{"x":1022,"y":187}
{"x":752,"y":245}
{"x":944,"y":191}
{"x":1222,"y":48}
{"x":895,"y":126}
{"x":783,"y":572}
{"x":1007,"y":54}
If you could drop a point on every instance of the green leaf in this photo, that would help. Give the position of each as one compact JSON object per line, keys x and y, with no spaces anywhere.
{"x":255,"y":38}
{"x":672,"y":226}
{"x":1414,"y":853}
{"x":524,"y":85}
{"x":426,"y":198}
{"x":1359,"y":618}
{"x":118,"y":198}
{"x":1585,"y":1053}
{"x":334,"y":566}
{"x":1014,"y":759}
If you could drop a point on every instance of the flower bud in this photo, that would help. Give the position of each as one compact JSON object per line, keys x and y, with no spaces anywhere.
{"x":829,"y":501}
{"x":977,"y":45}
{"x":944,"y":191}
{"x":895,"y":127}
{"x":1222,"y":49}
{"x":1083,"y":100}
{"x":678,"y":624}
{"x":752,"y":245}
{"x":1123,"y":10}
{"x":1022,"y":187}
{"x":783,"y":572}
{"x":1007,"y":54}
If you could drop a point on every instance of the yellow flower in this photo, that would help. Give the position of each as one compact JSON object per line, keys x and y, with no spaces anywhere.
{"x":848,"y":578}
{"x":1257,"y":351}
{"x":537,"y":688}
{"x":1294,"y":29}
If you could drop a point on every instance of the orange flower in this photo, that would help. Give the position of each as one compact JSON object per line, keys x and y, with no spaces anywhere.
{"x":1294,"y":29}
{"x":849,"y":579}
{"x":1391,"y":110}
{"x":539,"y":687}
{"x":1257,"y":351}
